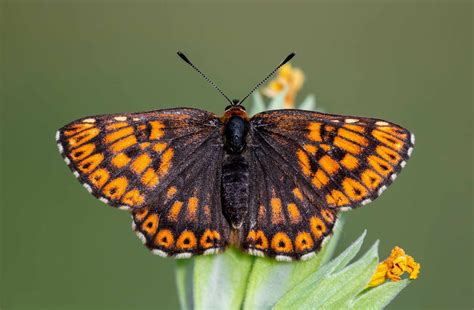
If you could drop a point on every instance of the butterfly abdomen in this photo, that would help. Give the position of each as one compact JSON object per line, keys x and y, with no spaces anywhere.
{"x":235,"y":188}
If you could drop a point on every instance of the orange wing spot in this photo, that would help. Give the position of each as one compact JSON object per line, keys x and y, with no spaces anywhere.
{"x":141,"y":163}
{"x":294,"y":213}
{"x":379,"y":165}
{"x":329,"y":128}
{"x":350,"y":135}
{"x":298,"y":194}
{"x":318,"y":227}
{"x":371,"y":179}
{"x":394,"y":131}
{"x":83,"y":137}
{"x":388,"y":139}
{"x":303,"y":242}
{"x":315,"y":132}
{"x":259,"y":238}
{"x":166,"y":162}
{"x":186,"y":241}
{"x":151,"y":224}
{"x":116,"y":188}
{"x":388,"y":154}
{"x":82,"y":151}
{"x":329,"y":165}
{"x":320,"y":179}
{"x":209,"y":238}
{"x":261,"y":213}
{"x":312,"y":149}
{"x":325,"y":147}
{"x":207,"y":214}
{"x":192,"y":208}
{"x":174,"y":211}
{"x":114,"y":136}
{"x":337,"y":198}
{"x":123,"y":144}
{"x":164,"y":238}
{"x":74,"y":129}
{"x":282,"y":243}
{"x":149,"y":178}
{"x":171,"y":192}
{"x":156,"y":130}
{"x":350,"y":162}
{"x":347,"y":145}
{"x":144,"y":145}
{"x":160,"y":147}
{"x":277,"y":214}
{"x":140,"y":214}
{"x":133,"y":198}
{"x":90,"y":163}
{"x":99,"y":177}
{"x":303,"y":160}
{"x":328,"y":216}
{"x":117,"y":125}
{"x":354,"y":189}
{"x":355,"y":128}
{"x":120,"y":160}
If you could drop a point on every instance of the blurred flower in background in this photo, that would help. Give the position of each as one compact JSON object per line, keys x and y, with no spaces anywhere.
{"x":290,"y":80}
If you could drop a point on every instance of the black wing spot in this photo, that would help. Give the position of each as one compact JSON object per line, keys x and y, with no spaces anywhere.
{"x":384,"y":167}
{"x":132,"y":152}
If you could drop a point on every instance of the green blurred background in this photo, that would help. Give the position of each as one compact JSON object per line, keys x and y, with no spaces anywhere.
{"x":409,"y":62}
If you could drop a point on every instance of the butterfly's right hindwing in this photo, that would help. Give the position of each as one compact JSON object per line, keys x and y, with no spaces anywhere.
{"x":186,"y":219}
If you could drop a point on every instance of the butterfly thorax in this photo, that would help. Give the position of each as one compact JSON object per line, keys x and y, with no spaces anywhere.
{"x":235,"y":169}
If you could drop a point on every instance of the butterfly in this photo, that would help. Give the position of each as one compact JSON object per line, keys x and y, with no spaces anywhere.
{"x":271,"y":185}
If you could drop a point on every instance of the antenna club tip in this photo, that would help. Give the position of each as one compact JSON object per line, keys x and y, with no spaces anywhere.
{"x":183,"y":57}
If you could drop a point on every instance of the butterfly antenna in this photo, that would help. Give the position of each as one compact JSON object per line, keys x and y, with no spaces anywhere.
{"x":183,"y":57}
{"x":288,"y":58}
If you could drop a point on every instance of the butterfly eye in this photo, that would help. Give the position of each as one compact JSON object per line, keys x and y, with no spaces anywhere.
{"x":228,"y":107}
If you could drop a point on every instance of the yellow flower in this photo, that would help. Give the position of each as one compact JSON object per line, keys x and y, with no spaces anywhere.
{"x":394,"y":267}
{"x":288,"y":78}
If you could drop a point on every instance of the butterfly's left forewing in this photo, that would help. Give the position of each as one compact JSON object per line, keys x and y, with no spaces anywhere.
{"x":320,"y":164}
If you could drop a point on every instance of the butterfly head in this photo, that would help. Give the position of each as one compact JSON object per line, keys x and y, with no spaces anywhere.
{"x":234,"y":110}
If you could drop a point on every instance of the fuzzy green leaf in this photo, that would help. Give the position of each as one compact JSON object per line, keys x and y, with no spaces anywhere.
{"x":304,"y":269}
{"x":220,"y":280}
{"x":300,"y":291}
{"x":184,"y":283}
{"x":342,"y":287}
{"x":267,"y":283}
{"x":378,"y":297}
{"x":335,"y":290}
